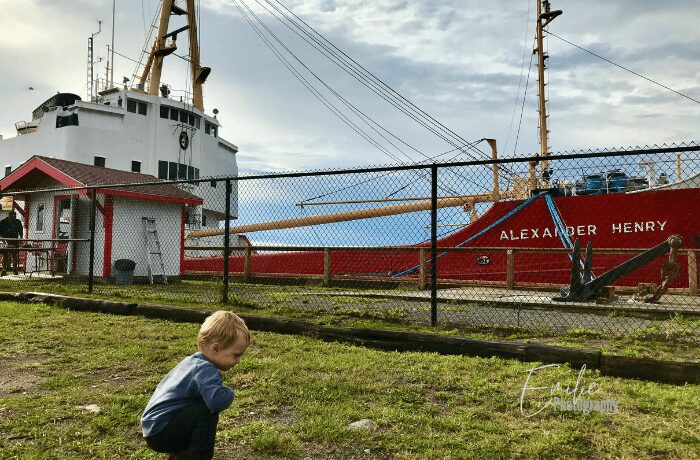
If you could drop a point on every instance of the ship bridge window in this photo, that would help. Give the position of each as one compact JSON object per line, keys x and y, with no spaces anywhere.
{"x":183,"y":116}
{"x":135,"y":166}
{"x":162,"y":169}
{"x":164,"y":111}
{"x":67,"y":120}
{"x":134,"y":106}
{"x":8,"y":170}
{"x":172,"y":171}
{"x":210,"y":128}
{"x":173,"y":114}
{"x":100,"y":161}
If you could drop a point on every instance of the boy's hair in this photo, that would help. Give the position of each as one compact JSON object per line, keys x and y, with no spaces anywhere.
{"x":223,"y":327}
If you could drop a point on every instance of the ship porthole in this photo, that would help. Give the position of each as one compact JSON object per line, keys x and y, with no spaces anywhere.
{"x":483,"y":260}
{"x":184,"y":140}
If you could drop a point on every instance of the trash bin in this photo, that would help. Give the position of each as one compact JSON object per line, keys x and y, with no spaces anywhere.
{"x":124,"y":271}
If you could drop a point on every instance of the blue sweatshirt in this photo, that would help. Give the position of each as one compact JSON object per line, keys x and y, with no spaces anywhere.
{"x":195,"y":378}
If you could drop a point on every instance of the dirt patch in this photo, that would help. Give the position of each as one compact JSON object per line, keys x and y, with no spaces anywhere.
{"x":431,"y":397}
{"x":283,"y":415}
{"x":19,"y":374}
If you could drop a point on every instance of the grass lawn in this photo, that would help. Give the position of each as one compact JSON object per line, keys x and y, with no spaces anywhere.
{"x":675,"y":339}
{"x":296,"y":396}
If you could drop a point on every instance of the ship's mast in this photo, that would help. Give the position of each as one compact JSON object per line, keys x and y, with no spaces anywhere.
{"x":544,"y":16}
{"x":154,"y":67}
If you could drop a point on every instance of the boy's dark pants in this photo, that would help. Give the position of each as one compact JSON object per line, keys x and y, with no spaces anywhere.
{"x":191,"y":430}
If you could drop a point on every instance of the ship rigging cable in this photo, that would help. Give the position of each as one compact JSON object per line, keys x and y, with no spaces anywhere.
{"x":366,"y":119}
{"x":510,"y":214}
{"x":622,"y":67}
{"x":520,"y":80}
{"x":328,"y":104}
{"x":306,"y":83}
{"x":369,"y":80}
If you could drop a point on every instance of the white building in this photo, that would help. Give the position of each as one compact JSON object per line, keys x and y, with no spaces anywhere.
{"x":119,"y":226}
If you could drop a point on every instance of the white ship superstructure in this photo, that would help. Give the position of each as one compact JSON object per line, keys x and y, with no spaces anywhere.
{"x":141,"y":129}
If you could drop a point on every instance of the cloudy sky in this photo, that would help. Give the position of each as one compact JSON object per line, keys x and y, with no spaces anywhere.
{"x":458,"y":60}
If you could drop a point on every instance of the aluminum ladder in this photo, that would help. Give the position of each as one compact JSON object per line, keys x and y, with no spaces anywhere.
{"x":153,"y":250}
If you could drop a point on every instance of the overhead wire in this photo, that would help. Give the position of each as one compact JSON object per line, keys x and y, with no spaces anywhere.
{"x":522,"y":106}
{"x":358,"y":72}
{"x":310,"y":87}
{"x":609,"y":61}
{"x":366,"y":119}
{"x":346,"y":59}
{"x":522,"y":71}
{"x":352,"y":107}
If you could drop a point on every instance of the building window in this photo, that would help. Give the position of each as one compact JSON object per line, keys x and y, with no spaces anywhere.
{"x":163,"y":170}
{"x":164,"y":111}
{"x":131,"y":105}
{"x":172,"y":171}
{"x":8,"y":170}
{"x":100,"y":161}
{"x":143,"y":108}
{"x":173,"y":114}
{"x":204,"y":220}
{"x":135,"y":166}
{"x":40,"y":217}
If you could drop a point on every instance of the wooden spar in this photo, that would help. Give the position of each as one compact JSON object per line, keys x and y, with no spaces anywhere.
{"x":198,"y":74}
{"x":495,"y":193}
{"x":383,"y":211}
{"x":678,"y":168}
{"x":157,"y":66}
{"x":378,"y":200}
{"x":494,"y":157}
{"x":154,"y":67}
{"x":544,"y":134}
{"x":149,"y":63}
{"x":467,"y":201}
{"x":543,"y":19}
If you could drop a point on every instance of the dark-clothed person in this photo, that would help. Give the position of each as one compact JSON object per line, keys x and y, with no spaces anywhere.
{"x":10,"y":227}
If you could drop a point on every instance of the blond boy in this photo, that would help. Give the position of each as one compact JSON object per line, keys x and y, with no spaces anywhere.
{"x":181,"y":417}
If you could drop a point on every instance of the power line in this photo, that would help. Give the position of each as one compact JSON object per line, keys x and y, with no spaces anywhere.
{"x":360,"y":73}
{"x":354,"y":109}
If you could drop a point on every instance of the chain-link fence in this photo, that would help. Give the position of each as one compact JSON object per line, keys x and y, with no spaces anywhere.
{"x":495,"y":244}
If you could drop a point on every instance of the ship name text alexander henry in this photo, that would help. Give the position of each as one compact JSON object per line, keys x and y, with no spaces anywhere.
{"x":583,"y":230}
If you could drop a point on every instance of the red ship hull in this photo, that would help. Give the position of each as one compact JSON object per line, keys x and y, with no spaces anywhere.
{"x":613,"y":221}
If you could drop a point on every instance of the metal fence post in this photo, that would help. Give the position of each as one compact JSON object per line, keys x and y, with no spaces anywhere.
{"x":227,"y":240}
{"x":93,"y":208}
{"x":327,"y":267}
{"x":433,"y":244}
